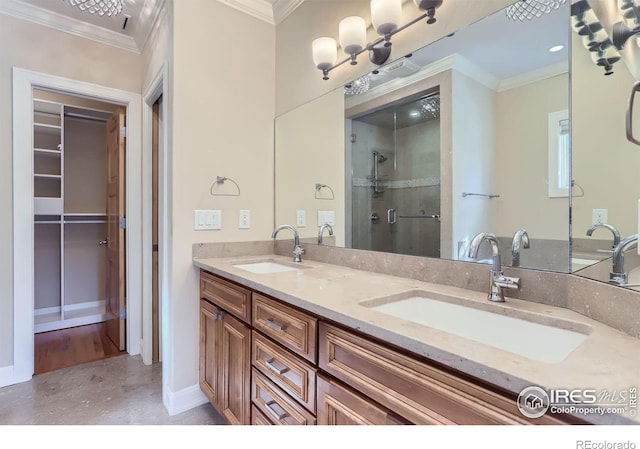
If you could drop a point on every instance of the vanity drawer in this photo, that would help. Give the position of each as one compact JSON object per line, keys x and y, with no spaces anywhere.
{"x":411,"y":388}
{"x":258,"y":418}
{"x":290,"y":327}
{"x":231,"y":297}
{"x":275,"y":404}
{"x":339,"y":405}
{"x":295,"y":376}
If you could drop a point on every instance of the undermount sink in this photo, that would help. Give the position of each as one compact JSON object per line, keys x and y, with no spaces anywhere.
{"x":521,"y":335}
{"x":266,"y":267}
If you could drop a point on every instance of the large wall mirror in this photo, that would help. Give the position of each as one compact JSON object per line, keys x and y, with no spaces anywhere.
{"x":604,"y":163}
{"x":469,"y":134}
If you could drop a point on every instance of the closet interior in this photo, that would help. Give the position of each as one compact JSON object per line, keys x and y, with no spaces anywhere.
{"x":69,"y":185}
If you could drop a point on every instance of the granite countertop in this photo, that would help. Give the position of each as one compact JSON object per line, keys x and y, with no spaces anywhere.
{"x":607,"y":361}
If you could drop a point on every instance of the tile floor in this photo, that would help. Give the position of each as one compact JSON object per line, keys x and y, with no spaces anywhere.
{"x":119,"y":390}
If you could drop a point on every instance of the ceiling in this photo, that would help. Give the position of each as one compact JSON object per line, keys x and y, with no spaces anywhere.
{"x":130,"y":29}
{"x":503,"y":49}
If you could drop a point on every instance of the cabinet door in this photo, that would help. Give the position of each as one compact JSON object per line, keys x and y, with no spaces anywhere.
{"x":210,"y":328}
{"x":234,"y":381}
{"x":339,"y":406}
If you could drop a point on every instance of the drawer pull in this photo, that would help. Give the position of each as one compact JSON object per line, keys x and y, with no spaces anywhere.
{"x":277,"y":414}
{"x":274,"y":325}
{"x":275,"y":369}
{"x":218,"y":316}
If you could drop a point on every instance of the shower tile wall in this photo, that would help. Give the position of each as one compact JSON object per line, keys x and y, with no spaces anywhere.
{"x":410,"y":178}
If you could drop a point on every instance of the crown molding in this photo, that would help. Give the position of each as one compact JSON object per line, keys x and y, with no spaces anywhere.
{"x":31,"y":13}
{"x":283,"y":8}
{"x":454,"y":62}
{"x":156,"y":14}
{"x":535,"y":75}
{"x":264,"y":10}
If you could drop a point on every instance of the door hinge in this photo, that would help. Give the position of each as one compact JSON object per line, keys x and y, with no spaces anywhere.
{"x":123,"y":223}
{"x":353,"y":138}
{"x":123,"y":131}
{"x":123,"y":314}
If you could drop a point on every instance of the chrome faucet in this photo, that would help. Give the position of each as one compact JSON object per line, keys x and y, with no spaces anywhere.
{"x":520,"y":240}
{"x":297,"y":249}
{"x":614,"y":231}
{"x":618,"y":275}
{"x":321,"y":230}
{"x":498,"y":280}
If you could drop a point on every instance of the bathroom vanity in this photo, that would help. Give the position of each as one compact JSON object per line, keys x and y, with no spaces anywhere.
{"x":318,"y":343}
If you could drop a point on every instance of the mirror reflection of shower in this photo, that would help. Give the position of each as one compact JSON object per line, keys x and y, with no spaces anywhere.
{"x":378,"y":158}
{"x":395,"y":160}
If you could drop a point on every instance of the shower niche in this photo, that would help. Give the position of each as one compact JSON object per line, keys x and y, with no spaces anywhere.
{"x":395,"y":178}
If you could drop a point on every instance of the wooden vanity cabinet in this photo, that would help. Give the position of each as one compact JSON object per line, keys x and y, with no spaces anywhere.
{"x":266,"y":362}
{"x":414,"y":389}
{"x":225,"y":359}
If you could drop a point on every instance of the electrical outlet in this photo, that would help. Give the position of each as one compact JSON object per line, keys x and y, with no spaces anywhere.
{"x":599,"y":216}
{"x":301,"y":218}
{"x":244,"y":219}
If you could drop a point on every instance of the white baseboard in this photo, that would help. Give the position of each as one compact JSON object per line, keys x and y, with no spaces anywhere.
{"x":8,"y":376}
{"x":180,"y":401}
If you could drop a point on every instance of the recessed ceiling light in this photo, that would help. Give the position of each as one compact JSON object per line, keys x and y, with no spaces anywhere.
{"x":414,"y":113}
{"x":556,"y":48}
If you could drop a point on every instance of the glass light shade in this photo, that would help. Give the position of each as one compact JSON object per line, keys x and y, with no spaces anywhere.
{"x":386,"y":15}
{"x":325,"y":52}
{"x":353,"y":34}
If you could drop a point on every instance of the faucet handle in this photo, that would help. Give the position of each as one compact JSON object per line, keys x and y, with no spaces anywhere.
{"x":507,"y":282}
{"x":297,"y":252}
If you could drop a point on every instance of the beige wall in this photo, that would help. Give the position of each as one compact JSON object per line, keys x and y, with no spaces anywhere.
{"x":522,"y":171}
{"x":297,"y":78}
{"x":34,"y":47}
{"x":223,"y":120}
{"x":605,"y":164}
{"x":473,"y":162}
{"x":309,"y":150}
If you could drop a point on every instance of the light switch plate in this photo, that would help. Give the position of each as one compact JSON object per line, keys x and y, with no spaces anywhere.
{"x":206,"y":220}
{"x":326,"y":216}
{"x":244,"y":219}
{"x":301,"y":218}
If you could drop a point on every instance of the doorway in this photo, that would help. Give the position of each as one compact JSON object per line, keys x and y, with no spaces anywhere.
{"x":24,"y":82}
{"x":79,"y":271}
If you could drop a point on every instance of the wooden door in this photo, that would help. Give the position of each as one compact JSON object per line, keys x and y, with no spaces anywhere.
{"x":234,"y":379}
{"x":115,"y":295}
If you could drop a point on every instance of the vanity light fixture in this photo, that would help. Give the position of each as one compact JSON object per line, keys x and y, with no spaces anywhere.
{"x":594,"y":38}
{"x":386,"y":16}
{"x":100,"y":7}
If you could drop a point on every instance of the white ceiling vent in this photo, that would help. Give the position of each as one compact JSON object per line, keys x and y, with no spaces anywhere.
{"x":400,"y":68}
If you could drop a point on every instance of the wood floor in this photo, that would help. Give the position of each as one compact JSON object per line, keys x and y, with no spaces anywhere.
{"x":73,"y":346}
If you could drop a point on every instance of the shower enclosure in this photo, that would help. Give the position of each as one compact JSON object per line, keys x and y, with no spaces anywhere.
{"x":395,"y":178}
